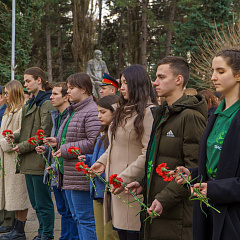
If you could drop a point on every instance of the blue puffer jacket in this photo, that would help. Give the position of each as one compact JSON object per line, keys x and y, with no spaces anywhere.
{"x":90,"y":160}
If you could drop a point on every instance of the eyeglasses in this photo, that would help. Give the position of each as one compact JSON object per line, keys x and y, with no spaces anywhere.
{"x":5,"y":93}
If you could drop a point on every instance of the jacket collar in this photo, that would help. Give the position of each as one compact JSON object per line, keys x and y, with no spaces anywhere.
{"x":80,"y":105}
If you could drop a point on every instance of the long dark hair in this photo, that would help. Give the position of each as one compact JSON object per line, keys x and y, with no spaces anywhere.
{"x":37,"y":72}
{"x":140,"y":93}
{"x":105,"y":102}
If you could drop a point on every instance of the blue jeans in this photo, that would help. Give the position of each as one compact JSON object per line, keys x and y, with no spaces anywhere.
{"x":68,"y":224}
{"x":81,"y":206}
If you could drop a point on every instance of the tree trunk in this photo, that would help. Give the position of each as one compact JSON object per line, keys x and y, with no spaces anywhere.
{"x":100,"y":25}
{"x":169,"y":31}
{"x":48,"y":42}
{"x":120,"y":43}
{"x":59,"y":37}
{"x":144,"y":34}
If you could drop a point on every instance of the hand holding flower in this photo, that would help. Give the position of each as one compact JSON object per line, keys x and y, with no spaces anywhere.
{"x":156,"y":207}
{"x":178,"y":178}
{"x":9,"y":138}
{"x":49,"y":169}
{"x":203,"y":189}
{"x":50,"y":140}
{"x":58,"y":153}
{"x":135,"y":187}
{"x":40,"y":149}
{"x":16,"y":149}
{"x":82,"y":158}
{"x":97,"y":167}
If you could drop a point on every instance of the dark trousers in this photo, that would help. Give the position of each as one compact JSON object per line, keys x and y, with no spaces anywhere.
{"x":128,"y":235}
{"x":41,"y":200}
{"x":6,"y":218}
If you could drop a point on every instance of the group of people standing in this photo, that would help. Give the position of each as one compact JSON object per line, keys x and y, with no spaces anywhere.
{"x":130,"y":136}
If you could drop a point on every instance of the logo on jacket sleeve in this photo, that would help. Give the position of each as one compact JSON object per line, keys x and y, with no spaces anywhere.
{"x":170,"y":134}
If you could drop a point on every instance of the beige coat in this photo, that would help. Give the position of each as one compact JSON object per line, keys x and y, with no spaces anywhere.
{"x":13,"y":190}
{"x":126,"y":157}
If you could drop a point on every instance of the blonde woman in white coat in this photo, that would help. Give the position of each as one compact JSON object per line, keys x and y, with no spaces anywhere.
{"x":13,"y":190}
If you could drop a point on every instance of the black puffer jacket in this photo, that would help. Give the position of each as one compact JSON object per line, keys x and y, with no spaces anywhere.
{"x":177,"y":140}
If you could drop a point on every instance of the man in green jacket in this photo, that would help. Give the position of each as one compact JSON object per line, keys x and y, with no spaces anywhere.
{"x":36,"y":114}
{"x":178,"y":126}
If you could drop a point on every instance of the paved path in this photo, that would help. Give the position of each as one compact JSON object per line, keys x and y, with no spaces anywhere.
{"x":31,"y":226}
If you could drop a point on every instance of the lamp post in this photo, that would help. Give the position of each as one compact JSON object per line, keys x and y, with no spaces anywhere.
{"x":13,"y":39}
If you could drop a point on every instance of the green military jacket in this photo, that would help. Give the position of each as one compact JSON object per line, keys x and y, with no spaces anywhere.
{"x":35,"y":115}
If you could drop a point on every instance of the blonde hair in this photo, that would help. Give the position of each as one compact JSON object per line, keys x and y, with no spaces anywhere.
{"x":190,"y":91}
{"x":15,"y":96}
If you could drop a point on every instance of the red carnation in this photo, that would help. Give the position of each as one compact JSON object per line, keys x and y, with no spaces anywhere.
{"x":40,"y":133}
{"x":115,"y":181}
{"x":81,"y":166}
{"x":6,"y":132}
{"x":162,"y":170}
{"x":74,"y":150}
{"x":33,"y":141}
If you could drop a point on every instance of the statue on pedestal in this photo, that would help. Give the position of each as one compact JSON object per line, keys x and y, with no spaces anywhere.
{"x":95,"y":69}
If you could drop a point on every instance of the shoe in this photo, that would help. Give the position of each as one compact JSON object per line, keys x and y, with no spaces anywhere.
{"x":38,"y":237}
{"x":4,"y":229}
{"x":45,"y":238}
{"x":17,"y":233}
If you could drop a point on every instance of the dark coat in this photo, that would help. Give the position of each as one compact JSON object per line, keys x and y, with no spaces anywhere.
{"x":177,"y":140}
{"x":224,"y":192}
{"x":2,"y":111}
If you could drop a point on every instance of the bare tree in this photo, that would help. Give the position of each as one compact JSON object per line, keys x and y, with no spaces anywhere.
{"x":48,"y":45}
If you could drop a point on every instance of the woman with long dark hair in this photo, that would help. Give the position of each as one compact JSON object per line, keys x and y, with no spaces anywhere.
{"x":125,"y":156}
{"x":219,"y":157}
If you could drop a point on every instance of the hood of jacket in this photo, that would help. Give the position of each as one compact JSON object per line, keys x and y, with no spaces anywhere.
{"x":197,"y":103}
{"x":41,"y":97}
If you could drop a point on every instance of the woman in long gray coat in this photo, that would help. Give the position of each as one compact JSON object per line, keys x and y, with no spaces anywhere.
{"x":13,"y":190}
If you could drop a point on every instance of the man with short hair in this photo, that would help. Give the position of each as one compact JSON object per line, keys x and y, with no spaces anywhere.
{"x":60,"y":100}
{"x":109,"y":85}
{"x":178,"y":126}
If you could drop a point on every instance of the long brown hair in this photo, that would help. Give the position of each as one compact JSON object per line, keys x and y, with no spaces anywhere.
{"x":15,"y":96}
{"x":140,"y":95}
{"x":107,"y":103}
{"x":37,"y":72}
{"x":210,"y":98}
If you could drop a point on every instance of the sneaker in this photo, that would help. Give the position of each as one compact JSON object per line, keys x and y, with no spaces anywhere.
{"x":38,"y":237}
{"x":4,"y":229}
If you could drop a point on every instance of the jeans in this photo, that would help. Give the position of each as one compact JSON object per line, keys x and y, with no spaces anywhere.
{"x":81,"y":206}
{"x":41,"y":201}
{"x":68,"y":224}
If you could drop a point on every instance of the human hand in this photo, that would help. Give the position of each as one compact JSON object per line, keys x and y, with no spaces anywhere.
{"x":203,"y":189}
{"x":156,"y":207}
{"x":97,"y":167}
{"x":117,"y":190}
{"x":51,"y":140}
{"x":40,"y":149}
{"x":135,"y":187}
{"x":178,"y":178}
{"x":49,"y":169}
{"x":82,"y":158}
{"x":9,"y":137}
{"x":16,"y":149}
{"x":58,"y":153}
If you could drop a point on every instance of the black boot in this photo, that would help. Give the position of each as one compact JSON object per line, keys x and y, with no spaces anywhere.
{"x":17,"y":233}
{"x":45,"y":238}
